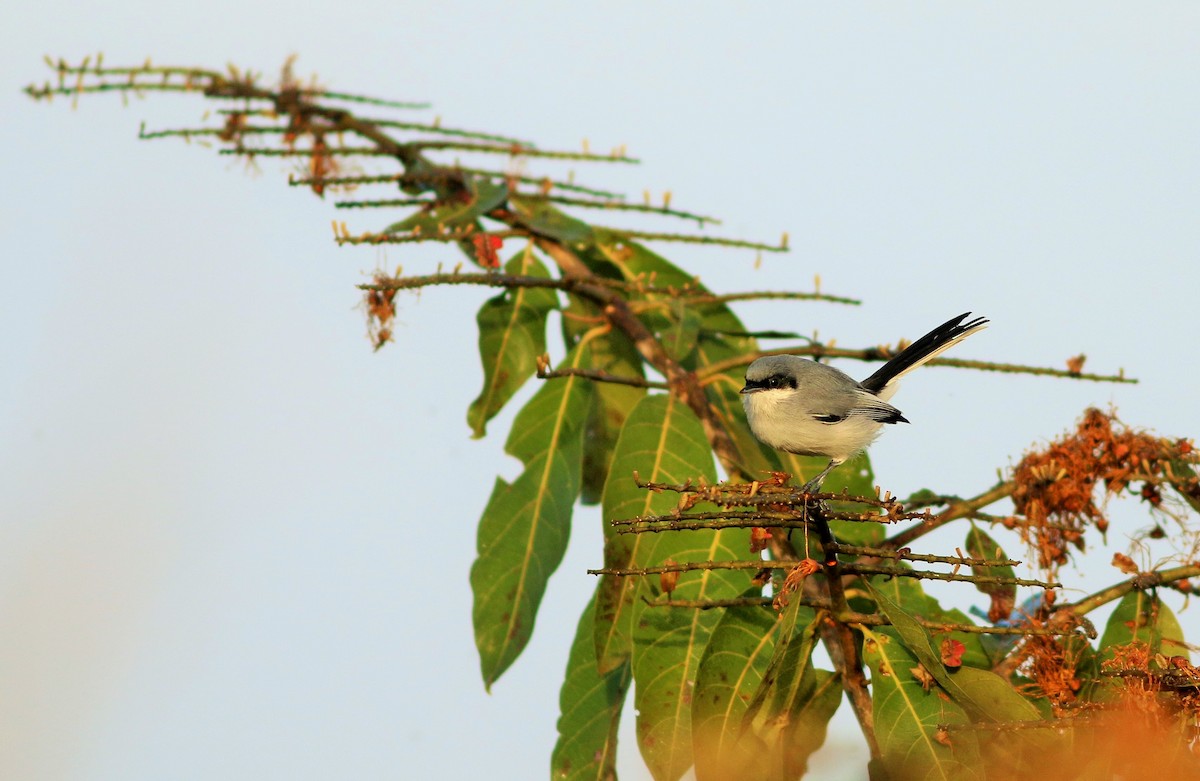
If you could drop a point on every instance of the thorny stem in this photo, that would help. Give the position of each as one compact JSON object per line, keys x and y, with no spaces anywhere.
{"x":880,"y":354}
{"x":864,"y":619}
{"x":1139,"y":582}
{"x":600,"y":376}
{"x":961,"y":508}
{"x":370,"y":151}
{"x":868,"y":569}
{"x":587,"y":203}
{"x":863,"y":550}
{"x":401,"y":178}
{"x":569,"y":284}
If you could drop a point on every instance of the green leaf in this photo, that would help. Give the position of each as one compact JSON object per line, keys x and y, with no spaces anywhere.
{"x":731,"y":670}
{"x":636,"y":262}
{"x":1142,"y":617}
{"x":794,"y":702}
{"x":785,"y":672}
{"x":1003,"y":595}
{"x":613,"y":353}
{"x":540,"y":216}
{"x":909,"y":595}
{"x":907,"y":716}
{"x":524,"y":529}
{"x":669,"y":642}
{"x":590,"y":710}
{"x":981,"y":693}
{"x":680,"y":330}
{"x":662,"y":441}
{"x":809,"y":721}
{"x":512,"y":334}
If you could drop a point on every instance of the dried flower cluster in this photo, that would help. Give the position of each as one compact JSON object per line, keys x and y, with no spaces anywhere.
{"x":1055,"y":495}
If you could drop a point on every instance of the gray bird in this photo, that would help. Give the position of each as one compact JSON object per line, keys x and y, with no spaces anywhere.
{"x":810,"y":409}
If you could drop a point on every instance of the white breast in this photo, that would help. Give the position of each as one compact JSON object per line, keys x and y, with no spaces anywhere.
{"x":779,"y":422}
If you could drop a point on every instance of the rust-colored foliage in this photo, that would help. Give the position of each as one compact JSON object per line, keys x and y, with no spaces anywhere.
{"x":1051,"y":664}
{"x":760,"y":538}
{"x":1056,"y":487}
{"x":667,"y":581}
{"x":486,"y":247}
{"x":381,"y":311}
{"x":795,"y":580}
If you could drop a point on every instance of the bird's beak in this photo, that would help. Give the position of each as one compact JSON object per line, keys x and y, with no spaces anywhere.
{"x":748,"y":389}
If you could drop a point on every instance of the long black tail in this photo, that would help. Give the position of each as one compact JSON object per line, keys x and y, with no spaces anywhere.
{"x":928,"y":346}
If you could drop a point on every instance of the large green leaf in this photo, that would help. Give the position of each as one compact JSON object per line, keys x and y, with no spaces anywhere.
{"x":1142,"y":617}
{"x":909,"y":595}
{"x":613,"y":353}
{"x":662,"y":441}
{"x":524,"y":529}
{"x":669,"y":642}
{"x":793,"y":704}
{"x":782,"y":680}
{"x":906,"y":718}
{"x":512,"y":334}
{"x":981,"y":693}
{"x":678,"y":324}
{"x":730,"y":672}
{"x":807,"y":724}
{"x":590,"y":710}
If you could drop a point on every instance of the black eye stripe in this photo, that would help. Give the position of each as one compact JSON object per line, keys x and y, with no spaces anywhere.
{"x":773,"y":382}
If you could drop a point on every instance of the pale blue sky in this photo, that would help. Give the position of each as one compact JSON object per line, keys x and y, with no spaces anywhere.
{"x":234,"y":542}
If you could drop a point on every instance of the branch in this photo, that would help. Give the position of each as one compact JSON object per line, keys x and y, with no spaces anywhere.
{"x":1139,"y":582}
{"x":599,"y":376}
{"x":371,"y":151}
{"x":818,"y":351}
{"x":351,"y":181}
{"x":687,"y":238}
{"x":869,"y":569}
{"x":961,"y":508}
{"x":885,"y":553}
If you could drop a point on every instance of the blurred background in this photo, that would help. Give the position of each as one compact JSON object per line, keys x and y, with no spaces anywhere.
{"x":234,"y":541}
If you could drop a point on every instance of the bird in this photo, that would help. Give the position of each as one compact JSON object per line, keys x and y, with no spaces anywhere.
{"x":808,"y":408}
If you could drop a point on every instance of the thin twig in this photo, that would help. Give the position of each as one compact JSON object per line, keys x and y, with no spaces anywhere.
{"x":961,"y":508}
{"x":1139,"y":582}
{"x":350,"y":181}
{"x":865,"y":619}
{"x":881,"y":354}
{"x":687,"y":238}
{"x":601,"y":376}
{"x":868,"y":569}
{"x":885,"y":553}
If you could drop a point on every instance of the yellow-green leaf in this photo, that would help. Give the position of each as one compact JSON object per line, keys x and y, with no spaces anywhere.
{"x":512,"y":334}
{"x":730,"y":672}
{"x":662,"y":441}
{"x":590,"y":710}
{"x":524,"y":529}
{"x":1142,"y":617}
{"x":907,"y":717}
